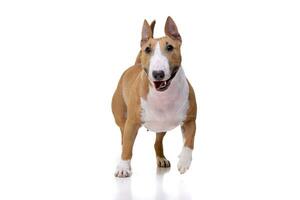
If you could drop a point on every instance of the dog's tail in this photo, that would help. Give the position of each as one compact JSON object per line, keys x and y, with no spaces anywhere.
{"x":138,"y":58}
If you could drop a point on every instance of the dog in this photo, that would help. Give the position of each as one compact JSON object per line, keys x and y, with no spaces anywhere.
{"x":156,"y":94}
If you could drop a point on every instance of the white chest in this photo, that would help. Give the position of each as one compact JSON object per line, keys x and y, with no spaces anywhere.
{"x":163,"y":111}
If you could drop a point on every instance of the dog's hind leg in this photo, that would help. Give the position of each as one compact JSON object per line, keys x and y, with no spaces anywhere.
{"x":159,"y":150}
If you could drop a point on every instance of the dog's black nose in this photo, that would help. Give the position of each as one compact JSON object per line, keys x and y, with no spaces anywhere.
{"x":158,"y":75}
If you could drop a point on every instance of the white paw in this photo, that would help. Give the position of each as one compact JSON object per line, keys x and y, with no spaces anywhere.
{"x":162,"y":162}
{"x":185,"y":159}
{"x":123,"y":169}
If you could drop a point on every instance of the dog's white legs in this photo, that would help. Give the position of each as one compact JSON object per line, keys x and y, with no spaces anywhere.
{"x":123,"y":169}
{"x":129,"y":135}
{"x":185,"y":159}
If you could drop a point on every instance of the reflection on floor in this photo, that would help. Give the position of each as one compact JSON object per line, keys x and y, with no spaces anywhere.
{"x":162,"y":187}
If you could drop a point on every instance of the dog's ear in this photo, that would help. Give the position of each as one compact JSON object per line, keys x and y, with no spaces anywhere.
{"x":152,"y":25}
{"x":146,"y":32}
{"x":171,"y":29}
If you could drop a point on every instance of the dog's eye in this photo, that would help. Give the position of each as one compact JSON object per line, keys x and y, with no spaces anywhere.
{"x":169,"y":48}
{"x":148,"y":50}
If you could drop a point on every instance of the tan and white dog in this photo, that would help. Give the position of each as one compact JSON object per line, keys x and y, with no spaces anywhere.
{"x":155,"y":93}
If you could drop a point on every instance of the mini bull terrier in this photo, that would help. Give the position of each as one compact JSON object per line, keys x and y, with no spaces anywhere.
{"x":155,"y":93}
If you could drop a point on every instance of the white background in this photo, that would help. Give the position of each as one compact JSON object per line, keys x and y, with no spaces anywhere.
{"x":59,"y":65}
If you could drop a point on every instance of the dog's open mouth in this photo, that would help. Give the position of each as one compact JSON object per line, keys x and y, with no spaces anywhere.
{"x":163,"y":85}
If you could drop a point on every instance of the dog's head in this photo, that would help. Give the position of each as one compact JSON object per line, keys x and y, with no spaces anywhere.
{"x":160,"y":57}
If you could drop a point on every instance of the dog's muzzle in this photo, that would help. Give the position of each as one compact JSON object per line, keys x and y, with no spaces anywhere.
{"x":164,"y":85}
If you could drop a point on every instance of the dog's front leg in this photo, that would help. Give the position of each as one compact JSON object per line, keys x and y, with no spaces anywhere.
{"x":130,"y":132}
{"x":185,"y":157}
